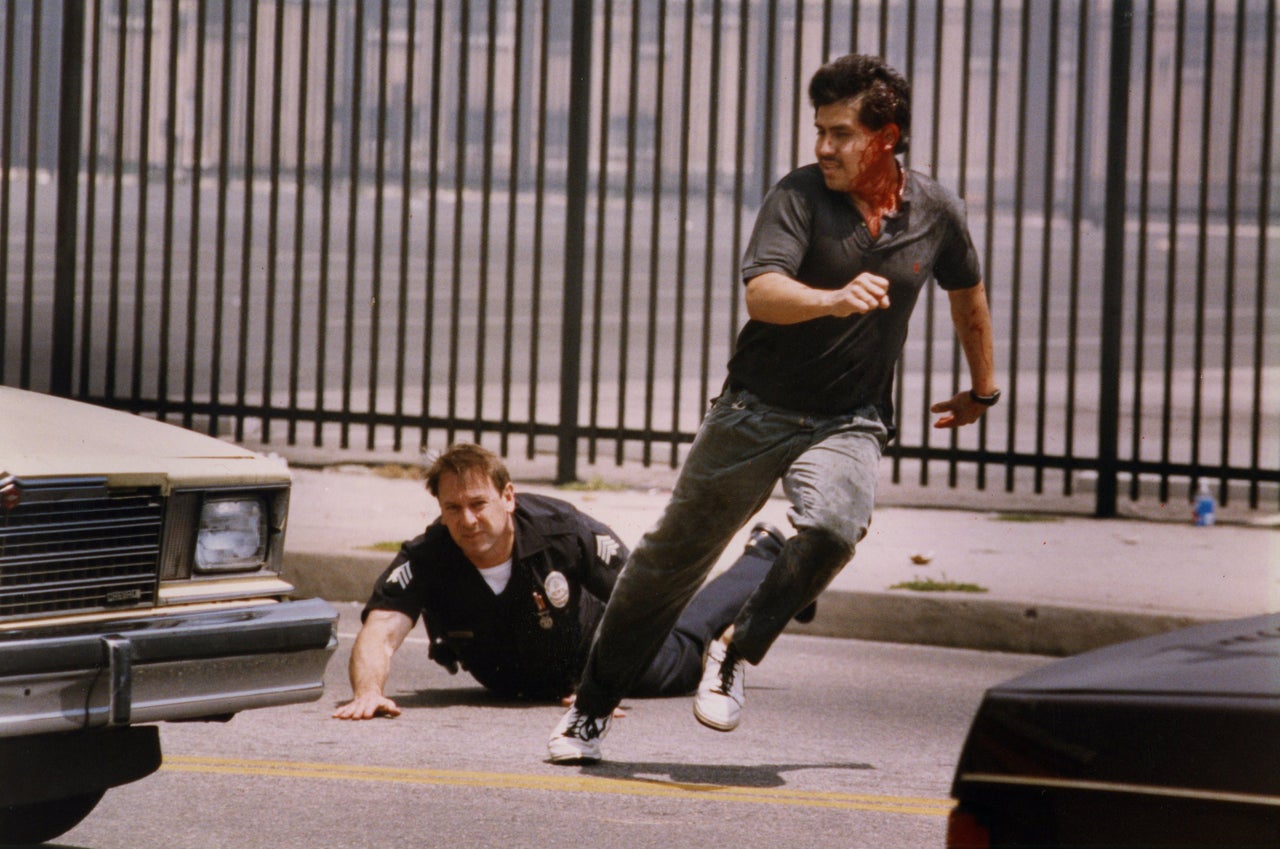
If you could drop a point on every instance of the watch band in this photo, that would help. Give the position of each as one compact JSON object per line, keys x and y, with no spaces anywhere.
{"x":984,"y":400}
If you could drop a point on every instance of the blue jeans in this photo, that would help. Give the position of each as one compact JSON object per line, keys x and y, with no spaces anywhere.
{"x":828,"y":466}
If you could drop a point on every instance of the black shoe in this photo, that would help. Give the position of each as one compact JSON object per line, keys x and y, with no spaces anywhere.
{"x":766,"y":540}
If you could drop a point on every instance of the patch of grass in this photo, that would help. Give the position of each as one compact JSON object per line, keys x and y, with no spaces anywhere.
{"x":400,"y":471}
{"x":1027,"y":517}
{"x":595,"y":484}
{"x":389,"y":547}
{"x":930,"y":585}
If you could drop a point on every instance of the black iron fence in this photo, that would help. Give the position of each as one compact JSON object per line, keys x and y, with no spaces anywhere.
{"x":385,"y":223}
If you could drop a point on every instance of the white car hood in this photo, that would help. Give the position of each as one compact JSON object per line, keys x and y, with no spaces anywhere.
{"x":46,"y":436}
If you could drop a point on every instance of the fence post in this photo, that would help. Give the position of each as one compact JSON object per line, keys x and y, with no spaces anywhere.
{"x":575,"y":240}
{"x":1113,"y":258}
{"x":64,"y":268}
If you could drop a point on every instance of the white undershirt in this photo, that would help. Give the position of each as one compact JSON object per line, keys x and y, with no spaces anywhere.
{"x":497,"y":577}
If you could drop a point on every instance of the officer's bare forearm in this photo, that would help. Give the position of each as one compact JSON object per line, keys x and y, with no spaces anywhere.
{"x":370,"y":664}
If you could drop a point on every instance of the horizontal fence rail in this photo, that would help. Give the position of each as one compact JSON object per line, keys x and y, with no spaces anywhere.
{"x":392,"y":224}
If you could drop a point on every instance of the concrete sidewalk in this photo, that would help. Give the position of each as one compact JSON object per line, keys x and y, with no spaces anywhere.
{"x":1049,"y":584}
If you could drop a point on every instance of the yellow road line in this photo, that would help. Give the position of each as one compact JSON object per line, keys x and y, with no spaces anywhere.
{"x":575,"y":783}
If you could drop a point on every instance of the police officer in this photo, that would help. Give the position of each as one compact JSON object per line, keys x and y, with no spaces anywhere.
{"x":511,"y":589}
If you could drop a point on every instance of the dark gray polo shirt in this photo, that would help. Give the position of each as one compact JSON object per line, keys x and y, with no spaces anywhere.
{"x":806,"y":231}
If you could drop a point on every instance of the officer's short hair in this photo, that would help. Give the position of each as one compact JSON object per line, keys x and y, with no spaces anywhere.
{"x":464,"y":457}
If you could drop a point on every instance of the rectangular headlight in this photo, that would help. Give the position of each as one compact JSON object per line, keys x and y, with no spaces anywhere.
{"x":232,"y":535}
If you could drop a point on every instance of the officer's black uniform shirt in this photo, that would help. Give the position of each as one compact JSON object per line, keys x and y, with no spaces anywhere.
{"x":531,"y":639}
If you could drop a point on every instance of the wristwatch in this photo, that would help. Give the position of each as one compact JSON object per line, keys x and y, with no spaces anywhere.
{"x":984,"y":400}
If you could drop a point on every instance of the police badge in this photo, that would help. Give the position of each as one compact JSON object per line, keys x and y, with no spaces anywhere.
{"x":557,"y":586}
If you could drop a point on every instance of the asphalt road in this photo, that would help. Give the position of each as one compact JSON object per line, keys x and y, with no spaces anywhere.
{"x":844,"y":743}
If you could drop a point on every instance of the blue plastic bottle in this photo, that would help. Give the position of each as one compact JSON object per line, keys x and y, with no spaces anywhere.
{"x":1205,"y":506}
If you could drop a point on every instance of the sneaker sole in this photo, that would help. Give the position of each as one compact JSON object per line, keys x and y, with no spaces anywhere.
{"x":713,"y":724}
{"x":571,"y":758}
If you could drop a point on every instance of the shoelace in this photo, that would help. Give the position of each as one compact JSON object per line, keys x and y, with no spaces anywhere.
{"x":585,"y":727}
{"x":728,"y":669}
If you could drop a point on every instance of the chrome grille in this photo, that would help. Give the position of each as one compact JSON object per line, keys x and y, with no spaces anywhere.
{"x":78,"y":548}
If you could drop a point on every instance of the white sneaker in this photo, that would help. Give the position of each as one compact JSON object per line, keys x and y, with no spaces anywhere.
{"x":719,"y":701}
{"x":577,"y":738}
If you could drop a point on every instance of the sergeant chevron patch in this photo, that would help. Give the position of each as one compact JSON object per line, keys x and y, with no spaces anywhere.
{"x":606,"y":547}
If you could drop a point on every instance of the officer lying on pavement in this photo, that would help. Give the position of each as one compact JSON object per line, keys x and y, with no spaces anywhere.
{"x":511,"y":588}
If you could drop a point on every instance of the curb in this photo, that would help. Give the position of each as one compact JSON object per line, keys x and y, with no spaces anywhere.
{"x":963,"y":623}
{"x":981,"y":625}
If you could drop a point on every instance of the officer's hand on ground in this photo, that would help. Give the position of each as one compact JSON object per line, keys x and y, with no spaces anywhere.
{"x":618,"y":712}
{"x":367,"y":706}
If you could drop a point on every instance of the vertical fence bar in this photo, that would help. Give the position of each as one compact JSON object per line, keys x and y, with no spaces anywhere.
{"x":539,"y":226}
{"x":6,"y":168}
{"x":739,"y":162}
{"x":480,"y":356}
{"x":767,"y":102}
{"x":602,"y":224}
{"x":930,"y":292}
{"x":33,"y":170}
{"x":514,"y":174}
{"x":575,"y":238}
{"x":117,"y":201}
{"x":1207,"y":131}
{"x":1265,"y":224}
{"x":64,"y":272}
{"x":1171,"y":260}
{"x":710,"y":285}
{"x":655,"y":228}
{"x":354,"y":117}
{"x":962,"y":188}
{"x":797,"y":85}
{"x":1079,"y":177}
{"x":220,"y":224}
{"x":1113,"y":257}
{"x":144,"y":191}
{"x":459,"y":187}
{"x":628,"y":227}
{"x":273,"y":219}
{"x":170,"y":169}
{"x":326,"y":221}
{"x":90,"y":204}
{"x":299,"y":220}
{"x":247,"y":206}
{"x":375,"y":254}
{"x":1046,"y":235}
{"x":989,"y":214}
{"x":406,"y":191}
{"x":1015,"y":265}
{"x":193,"y":240}
{"x":1229,"y":277}
{"x":682,"y":235}
{"x":1141,"y":249}
{"x":433,"y":205}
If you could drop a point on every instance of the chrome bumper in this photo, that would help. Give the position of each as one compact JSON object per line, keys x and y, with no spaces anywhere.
{"x":167,"y":665}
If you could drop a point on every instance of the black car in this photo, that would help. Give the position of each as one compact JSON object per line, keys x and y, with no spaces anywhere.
{"x":1165,"y":741}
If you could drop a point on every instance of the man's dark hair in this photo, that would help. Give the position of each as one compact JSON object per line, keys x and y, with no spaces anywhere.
{"x":885,"y":93}
{"x":465,"y":457}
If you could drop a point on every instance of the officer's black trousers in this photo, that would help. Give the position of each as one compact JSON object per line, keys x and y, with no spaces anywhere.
{"x":678,"y":666}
